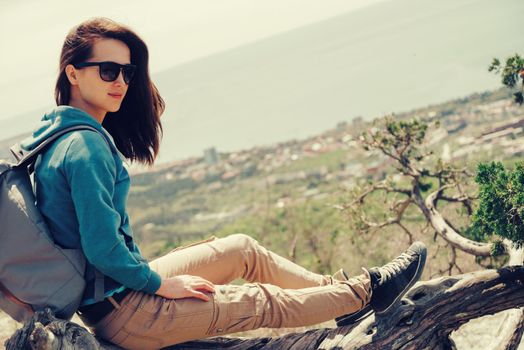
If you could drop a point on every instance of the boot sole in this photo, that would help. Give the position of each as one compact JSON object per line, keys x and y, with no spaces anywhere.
{"x":354,"y":317}
{"x":416,"y":277}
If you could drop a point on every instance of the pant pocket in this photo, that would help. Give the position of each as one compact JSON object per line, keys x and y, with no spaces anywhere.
{"x":237,"y":309}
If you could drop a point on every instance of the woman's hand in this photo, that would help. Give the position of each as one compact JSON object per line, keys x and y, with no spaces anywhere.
{"x":185,"y":286}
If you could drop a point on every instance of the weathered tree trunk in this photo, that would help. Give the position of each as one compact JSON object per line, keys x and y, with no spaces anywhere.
{"x":510,"y":330}
{"x":429,"y":312}
{"x":510,"y":333}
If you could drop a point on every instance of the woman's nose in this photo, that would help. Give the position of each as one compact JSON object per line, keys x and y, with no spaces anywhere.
{"x":120,"y":78}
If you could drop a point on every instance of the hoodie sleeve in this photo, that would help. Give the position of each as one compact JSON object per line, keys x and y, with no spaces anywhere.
{"x":91,"y":172}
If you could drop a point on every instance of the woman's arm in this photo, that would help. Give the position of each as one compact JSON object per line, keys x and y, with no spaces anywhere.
{"x":91,"y":172}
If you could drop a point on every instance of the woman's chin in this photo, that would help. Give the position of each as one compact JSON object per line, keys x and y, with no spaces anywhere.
{"x":113,"y":108}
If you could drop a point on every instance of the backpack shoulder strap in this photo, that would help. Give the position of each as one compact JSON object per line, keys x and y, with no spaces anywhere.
{"x":29,"y":158}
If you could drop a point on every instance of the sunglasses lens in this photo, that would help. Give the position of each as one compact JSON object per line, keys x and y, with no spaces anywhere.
{"x":109,"y":71}
{"x":128,"y":74}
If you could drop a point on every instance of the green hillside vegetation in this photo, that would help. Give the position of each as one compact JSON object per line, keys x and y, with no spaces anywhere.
{"x":290,"y":198}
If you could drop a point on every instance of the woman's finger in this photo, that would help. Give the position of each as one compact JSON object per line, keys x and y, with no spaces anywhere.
{"x":203,"y":280}
{"x":204,"y":286}
{"x":199,"y":295}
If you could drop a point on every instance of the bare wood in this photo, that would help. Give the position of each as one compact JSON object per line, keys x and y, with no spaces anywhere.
{"x":510,"y":330}
{"x":446,"y":231}
{"x":424,"y":320}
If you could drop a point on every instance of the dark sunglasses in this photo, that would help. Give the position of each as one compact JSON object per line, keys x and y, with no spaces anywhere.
{"x":109,"y":71}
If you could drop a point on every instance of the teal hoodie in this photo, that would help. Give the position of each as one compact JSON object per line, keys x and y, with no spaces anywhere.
{"x":81,"y":190}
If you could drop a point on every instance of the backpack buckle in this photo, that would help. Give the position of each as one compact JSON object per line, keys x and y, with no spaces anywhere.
{"x":17,"y":151}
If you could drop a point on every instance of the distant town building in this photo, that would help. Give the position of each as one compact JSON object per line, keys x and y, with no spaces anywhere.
{"x":357,"y":126}
{"x":211,"y":156}
{"x":342,"y":126}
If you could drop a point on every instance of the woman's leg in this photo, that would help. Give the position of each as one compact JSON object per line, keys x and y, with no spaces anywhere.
{"x":236,"y":256}
{"x":145,"y":321}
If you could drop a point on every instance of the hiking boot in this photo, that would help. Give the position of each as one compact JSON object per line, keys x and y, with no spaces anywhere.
{"x":390,"y":282}
{"x":354,"y":317}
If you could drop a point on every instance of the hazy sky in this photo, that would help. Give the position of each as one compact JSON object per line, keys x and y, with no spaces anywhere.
{"x":32,"y":32}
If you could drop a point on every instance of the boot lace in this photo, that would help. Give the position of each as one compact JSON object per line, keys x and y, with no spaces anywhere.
{"x":396,"y":266}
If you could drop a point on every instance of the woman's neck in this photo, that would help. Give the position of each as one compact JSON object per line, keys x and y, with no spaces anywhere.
{"x":94,"y":112}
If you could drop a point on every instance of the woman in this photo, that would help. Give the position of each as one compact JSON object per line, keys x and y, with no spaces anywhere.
{"x":82,"y":189}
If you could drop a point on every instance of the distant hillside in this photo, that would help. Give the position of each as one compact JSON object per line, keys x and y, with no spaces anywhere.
{"x":177,"y":202}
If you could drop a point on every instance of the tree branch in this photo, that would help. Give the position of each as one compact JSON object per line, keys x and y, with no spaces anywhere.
{"x":384,"y":186}
{"x":446,"y":231}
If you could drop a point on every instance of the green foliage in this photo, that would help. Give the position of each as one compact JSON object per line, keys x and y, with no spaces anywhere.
{"x":512,"y":73}
{"x":425,"y":186}
{"x":399,"y":139}
{"x":497,"y":249}
{"x":501,"y":202}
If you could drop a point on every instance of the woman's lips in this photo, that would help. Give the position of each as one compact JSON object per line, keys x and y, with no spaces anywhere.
{"x":118,"y":96}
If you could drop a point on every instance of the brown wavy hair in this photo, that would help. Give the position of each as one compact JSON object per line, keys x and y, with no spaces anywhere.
{"x":136,"y":126}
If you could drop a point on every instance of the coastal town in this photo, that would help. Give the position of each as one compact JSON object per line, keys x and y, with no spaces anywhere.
{"x":492,"y":128}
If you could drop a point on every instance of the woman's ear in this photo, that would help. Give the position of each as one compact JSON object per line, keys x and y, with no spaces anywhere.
{"x":71,"y":74}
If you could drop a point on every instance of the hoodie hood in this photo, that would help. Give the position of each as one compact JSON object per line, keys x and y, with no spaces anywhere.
{"x":60,"y":118}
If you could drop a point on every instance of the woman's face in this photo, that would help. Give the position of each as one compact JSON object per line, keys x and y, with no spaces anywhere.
{"x":89,"y":91}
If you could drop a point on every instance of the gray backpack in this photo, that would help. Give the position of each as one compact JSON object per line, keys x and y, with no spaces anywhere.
{"x":35,"y":273}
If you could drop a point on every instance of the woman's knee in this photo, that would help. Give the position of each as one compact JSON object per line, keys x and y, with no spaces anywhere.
{"x":243,"y":241}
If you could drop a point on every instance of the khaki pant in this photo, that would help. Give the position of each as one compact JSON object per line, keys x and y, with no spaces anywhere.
{"x":279,"y":294}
